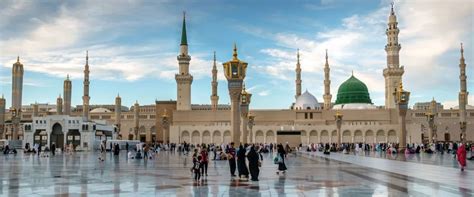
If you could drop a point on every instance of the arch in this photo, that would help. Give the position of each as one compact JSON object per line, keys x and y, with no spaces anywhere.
{"x":216,"y":137}
{"x":333,"y":137}
{"x":346,"y":136}
{"x":195,"y":137}
{"x":57,"y":135}
{"x":369,"y":136}
{"x":206,"y":137}
{"x":324,"y":136}
{"x":227,"y":137}
{"x":380,"y":137}
{"x":185,"y":137}
{"x":358,"y":136}
{"x":270,"y":137}
{"x":304,"y":138}
{"x":130,"y":136}
{"x":40,"y":137}
{"x":392,"y":136}
{"x":73,"y":137}
{"x":142,"y":130}
{"x":153,"y":133}
{"x":313,"y":136}
{"x":259,"y":136}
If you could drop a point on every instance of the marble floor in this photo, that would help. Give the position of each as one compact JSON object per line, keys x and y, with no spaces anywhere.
{"x":82,"y":174}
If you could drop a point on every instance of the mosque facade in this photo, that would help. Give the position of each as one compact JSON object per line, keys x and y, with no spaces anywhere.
{"x":349,"y":117}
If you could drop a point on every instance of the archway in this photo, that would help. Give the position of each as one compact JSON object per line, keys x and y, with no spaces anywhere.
{"x":153,"y":134}
{"x":304,"y":138}
{"x":380,"y":138}
{"x":40,"y":137}
{"x":130,"y":136}
{"x":358,"y":136}
{"x":195,"y":137}
{"x":392,"y":136}
{"x":346,"y":136}
{"x":259,"y":136}
{"x":313,"y":137}
{"x":216,"y":137}
{"x":206,"y":137}
{"x":334,"y":136}
{"x":73,"y":137}
{"x":57,"y":136}
{"x":185,"y":137}
{"x":324,"y":136}
{"x":227,"y":137}
{"x":142,"y":134}
{"x":369,"y":137}
{"x":270,"y":137}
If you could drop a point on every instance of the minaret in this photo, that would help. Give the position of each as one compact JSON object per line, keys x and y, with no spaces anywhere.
{"x":327,"y":85}
{"x":85,"y":97}
{"x":59,"y":105}
{"x":183,"y":78}
{"x":35,"y":110}
{"x":17,"y":85}
{"x":463,"y":95}
{"x":67,"y":96}
{"x":136,"y":110}
{"x":393,"y":73}
{"x":214,"y":96}
{"x":2,"y":114}
{"x":118,"y":111}
{"x":298,"y":75}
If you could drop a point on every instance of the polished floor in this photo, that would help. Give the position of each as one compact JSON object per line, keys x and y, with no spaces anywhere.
{"x":82,"y":174}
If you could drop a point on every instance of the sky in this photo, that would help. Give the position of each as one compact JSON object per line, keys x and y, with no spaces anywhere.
{"x":133,"y":47}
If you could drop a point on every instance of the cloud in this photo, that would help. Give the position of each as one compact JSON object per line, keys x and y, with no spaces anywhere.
{"x":454,"y":103}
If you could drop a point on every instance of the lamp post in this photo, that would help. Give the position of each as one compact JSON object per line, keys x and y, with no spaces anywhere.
{"x":251,"y":124}
{"x":338,"y":118}
{"x":16,"y":114}
{"x":430,"y":117}
{"x":244,"y":109}
{"x":234,"y":71}
{"x":401,"y":99}
{"x":165,"y":124}
{"x":462,"y":126}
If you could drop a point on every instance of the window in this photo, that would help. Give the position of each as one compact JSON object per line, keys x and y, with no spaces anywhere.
{"x":305,"y":115}
{"x":311,"y":115}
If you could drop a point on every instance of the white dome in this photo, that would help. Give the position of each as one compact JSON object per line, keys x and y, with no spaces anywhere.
{"x":354,"y":106}
{"x":306,"y":101}
{"x":100,"y":110}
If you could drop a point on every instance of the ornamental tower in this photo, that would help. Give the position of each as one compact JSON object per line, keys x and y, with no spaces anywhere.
{"x":463,"y":95}
{"x":214,"y":96}
{"x":85,"y":97}
{"x":118,"y":111}
{"x":2,"y":115}
{"x":67,"y":96}
{"x":183,"y":78}
{"x":59,"y":105}
{"x":17,"y":86}
{"x":327,"y":85}
{"x":298,"y":75}
{"x":136,"y":110}
{"x":393,"y":73}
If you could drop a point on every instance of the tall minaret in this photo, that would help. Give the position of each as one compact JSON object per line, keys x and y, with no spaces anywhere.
{"x":2,"y":114}
{"x":214,"y":96}
{"x":298,"y":75}
{"x":463,"y":94}
{"x":118,"y":111}
{"x":85,"y":97}
{"x":67,"y":96}
{"x":393,"y":73}
{"x":59,"y":105}
{"x":327,"y":85}
{"x":183,"y":78}
{"x":17,"y":85}
{"x":136,"y":110}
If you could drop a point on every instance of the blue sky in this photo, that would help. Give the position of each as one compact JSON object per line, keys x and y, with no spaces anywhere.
{"x":133,"y":47}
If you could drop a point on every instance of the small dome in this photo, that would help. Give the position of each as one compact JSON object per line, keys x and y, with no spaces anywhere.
{"x":306,"y":101}
{"x":100,"y":110}
{"x":353,"y":91}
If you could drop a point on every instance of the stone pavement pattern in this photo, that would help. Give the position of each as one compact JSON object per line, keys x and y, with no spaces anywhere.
{"x":81,"y":174}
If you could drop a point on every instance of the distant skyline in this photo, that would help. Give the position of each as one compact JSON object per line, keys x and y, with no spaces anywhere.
{"x":133,"y":47}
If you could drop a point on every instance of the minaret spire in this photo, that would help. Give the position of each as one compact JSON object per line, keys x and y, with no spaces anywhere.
{"x":298,"y":74}
{"x":214,"y":96}
{"x":183,"y":78}
{"x":86,"y":97}
{"x":235,"y":52}
{"x":463,"y":94}
{"x":184,"y":37}
{"x":327,"y":84}
{"x":393,"y":72}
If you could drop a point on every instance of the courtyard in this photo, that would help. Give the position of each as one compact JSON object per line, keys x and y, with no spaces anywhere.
{"x":309,"y":174}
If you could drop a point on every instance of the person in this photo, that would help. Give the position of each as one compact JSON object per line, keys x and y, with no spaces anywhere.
{"x":461,"y":154}
{"x":281,"y":154}
{"x":126,"y":146}
{"x":71,"y":148}
{"x":145,"y":151}
{"x":53,"y":149}
{"x":6,"y":150}
{"x":214,"y":149}
{"x":241,"y":164}
{"x":231,"y":157}
{"x":116,"y":149}
{"x":197,"y":167}
{"x":254,"y":163}
{"x":102,"y":151}
{"x":39,"y":149}
{"x":204,"y":160}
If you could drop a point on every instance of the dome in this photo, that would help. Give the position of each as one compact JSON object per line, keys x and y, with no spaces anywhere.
{"x":467,"y":107}
{"x":353,"y":91}
{"x":306,"y":101}
{"x":100,"y":110}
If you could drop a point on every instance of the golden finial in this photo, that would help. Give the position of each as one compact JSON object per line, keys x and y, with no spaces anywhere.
{"x":235,"y":51}
{"x":87,"y":57}
{"x":298,"y":55}
{"x":214,"y":56}
{"x":67,"y":78}
{"x":462,"y":51}
{"x":352,"y":72}
{"x":393,"y":12}
{"x":17,"y":58}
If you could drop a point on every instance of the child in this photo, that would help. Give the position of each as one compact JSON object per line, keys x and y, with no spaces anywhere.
{"x":197,"y":168}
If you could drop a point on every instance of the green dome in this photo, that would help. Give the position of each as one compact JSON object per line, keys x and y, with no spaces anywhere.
{"x":353,"y":91}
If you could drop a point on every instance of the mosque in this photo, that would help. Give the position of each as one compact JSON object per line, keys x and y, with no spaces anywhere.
{"x":350,"y":117}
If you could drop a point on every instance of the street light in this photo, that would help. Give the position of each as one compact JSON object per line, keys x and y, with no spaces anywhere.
{"x":164,"y":124}
{"x":401,"y":99}
{"x":338,"y":118}
{"x":251,"y":124}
